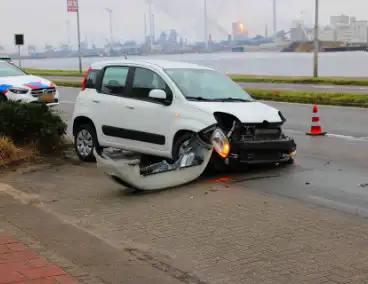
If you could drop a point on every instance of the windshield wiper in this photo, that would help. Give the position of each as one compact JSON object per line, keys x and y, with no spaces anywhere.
{"x":231,"y":100}
{"x":199,"y":99}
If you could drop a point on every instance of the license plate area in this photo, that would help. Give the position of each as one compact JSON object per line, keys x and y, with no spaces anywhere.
{"x":260,"y":155}
{"x":47,"y":98}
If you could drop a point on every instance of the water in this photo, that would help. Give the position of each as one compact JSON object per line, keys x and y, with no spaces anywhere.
{"x":343,"y":64}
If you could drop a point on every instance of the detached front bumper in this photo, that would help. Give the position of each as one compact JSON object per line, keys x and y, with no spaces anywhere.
{"x":264,"y":151}
{"x":128,"y":170}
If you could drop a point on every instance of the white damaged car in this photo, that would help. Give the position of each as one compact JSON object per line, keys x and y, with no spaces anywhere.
{"x":166,"y":109}
{"x":17,"y":85}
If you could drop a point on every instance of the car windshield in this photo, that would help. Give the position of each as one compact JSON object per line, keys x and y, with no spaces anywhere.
{"x":8,"y":70}
{"x":207,"y":85}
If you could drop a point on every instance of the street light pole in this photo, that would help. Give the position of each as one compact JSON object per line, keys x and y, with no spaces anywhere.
{"x":274,"y":12}
{"x":316,"y":40}
{"x":79,"y":39}
{"x":68,"y":31}
{"x":205,"y":24}
{"x":110,"y":24}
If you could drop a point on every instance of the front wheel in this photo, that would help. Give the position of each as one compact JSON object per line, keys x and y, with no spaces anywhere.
{"x":85,"y":141}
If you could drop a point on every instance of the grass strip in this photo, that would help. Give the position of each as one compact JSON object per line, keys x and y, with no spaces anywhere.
{"x":322,"y":98}
{"x":234,"y":77}
{"x":302,"y":80}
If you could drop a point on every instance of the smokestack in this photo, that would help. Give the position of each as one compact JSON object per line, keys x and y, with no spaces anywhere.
{"x":153,"y":28}
{"x":145,"y":28}
{"x":274,"y":20}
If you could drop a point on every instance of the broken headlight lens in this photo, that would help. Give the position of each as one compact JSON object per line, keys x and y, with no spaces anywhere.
{"x":220,"y":142}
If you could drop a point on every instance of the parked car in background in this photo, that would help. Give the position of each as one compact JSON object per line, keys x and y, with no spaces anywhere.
{"x":18,"y":85}
{"x":154,"y":107}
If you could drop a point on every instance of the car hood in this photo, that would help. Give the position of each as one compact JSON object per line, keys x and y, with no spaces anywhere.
{"x":27,"y":81}
{"x":246,"y":112}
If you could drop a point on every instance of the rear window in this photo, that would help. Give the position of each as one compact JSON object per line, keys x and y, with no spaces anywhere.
{"x":91,"y":79}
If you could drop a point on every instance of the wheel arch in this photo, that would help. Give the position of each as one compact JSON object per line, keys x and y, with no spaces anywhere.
{"x":80,"y":120}
{"x":181,"y":132}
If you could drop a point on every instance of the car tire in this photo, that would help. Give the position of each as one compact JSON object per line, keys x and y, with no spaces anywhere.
{"x":178,"y":144}
{"x":85,"y":141}
{"x":2,"y":98}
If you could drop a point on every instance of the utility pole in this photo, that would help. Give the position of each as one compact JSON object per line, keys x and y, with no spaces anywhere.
{"x":316,"y":40}
{"x":205,"y":24}
{"x":79,"y":38}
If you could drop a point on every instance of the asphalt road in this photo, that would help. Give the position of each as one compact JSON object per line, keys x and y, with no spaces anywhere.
{"x":329,"y":171}
{"x":273,"y":86}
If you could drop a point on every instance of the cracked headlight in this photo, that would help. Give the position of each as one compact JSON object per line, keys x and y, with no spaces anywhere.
{"x":18,"y":90}
{"x":220,"y":142}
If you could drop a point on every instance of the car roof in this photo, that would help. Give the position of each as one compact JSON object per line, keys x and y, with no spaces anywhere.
{"x":163,"y":64}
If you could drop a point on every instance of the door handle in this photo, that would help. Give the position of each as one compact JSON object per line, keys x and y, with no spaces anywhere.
{"x":97,"y":102}
{"x":129,"y":107}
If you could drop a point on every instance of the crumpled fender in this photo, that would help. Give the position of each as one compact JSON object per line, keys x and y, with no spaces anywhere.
{"x":129,"y":172}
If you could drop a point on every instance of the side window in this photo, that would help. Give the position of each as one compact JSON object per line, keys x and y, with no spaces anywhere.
{"x":114,"y":79}
{"x":91,"y":79}
{"x":146,"y":80}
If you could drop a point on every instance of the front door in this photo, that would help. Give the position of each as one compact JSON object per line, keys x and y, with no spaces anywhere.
{"x":149,"y":119}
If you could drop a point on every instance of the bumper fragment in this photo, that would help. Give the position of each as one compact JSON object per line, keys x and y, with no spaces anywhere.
{"x":129,"y":171}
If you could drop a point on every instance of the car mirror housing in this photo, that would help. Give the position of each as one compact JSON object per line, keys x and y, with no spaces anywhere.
{"x":157,"y":94}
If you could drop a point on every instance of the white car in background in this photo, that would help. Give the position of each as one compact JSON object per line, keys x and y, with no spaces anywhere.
{"x":17,"y":85}
{"x":154,"y":107}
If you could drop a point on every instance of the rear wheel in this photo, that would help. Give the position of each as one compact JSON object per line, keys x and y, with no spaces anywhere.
{"x":85,"y":141}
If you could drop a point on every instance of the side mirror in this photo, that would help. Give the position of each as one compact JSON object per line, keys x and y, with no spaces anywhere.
{"x":157,"y":94}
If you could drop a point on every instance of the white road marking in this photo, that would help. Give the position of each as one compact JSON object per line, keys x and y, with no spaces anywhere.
{"x":331,"y":135}
{"x":360,"y":211}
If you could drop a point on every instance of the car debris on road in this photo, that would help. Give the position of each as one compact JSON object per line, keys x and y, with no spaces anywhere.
{"x":128,"y":170}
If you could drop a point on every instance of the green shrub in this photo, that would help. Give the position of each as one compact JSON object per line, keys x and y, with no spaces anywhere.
{"x":26,"y":123}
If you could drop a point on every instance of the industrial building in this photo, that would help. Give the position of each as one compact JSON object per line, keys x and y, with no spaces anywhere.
{"x":341,"y":28}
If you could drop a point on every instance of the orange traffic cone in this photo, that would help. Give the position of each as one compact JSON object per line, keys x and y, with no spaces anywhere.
{"x":316,"y":129}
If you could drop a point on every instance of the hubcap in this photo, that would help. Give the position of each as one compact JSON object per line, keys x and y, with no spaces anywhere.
{"x":84,"y":143}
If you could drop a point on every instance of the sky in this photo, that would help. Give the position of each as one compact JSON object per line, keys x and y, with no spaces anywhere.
{"x":45,"y":21}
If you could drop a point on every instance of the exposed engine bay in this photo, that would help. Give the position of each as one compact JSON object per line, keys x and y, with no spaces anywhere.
{"x":253,"y":143}
{"x":231,"y":139}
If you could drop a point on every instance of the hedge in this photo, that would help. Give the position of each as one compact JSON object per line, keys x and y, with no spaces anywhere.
{"x":29,"y":123}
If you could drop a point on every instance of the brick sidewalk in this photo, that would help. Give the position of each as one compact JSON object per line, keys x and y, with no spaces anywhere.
{"x":21,"y":265}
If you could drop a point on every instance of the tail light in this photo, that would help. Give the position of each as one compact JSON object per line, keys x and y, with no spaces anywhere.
{"x":85,"y":79}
